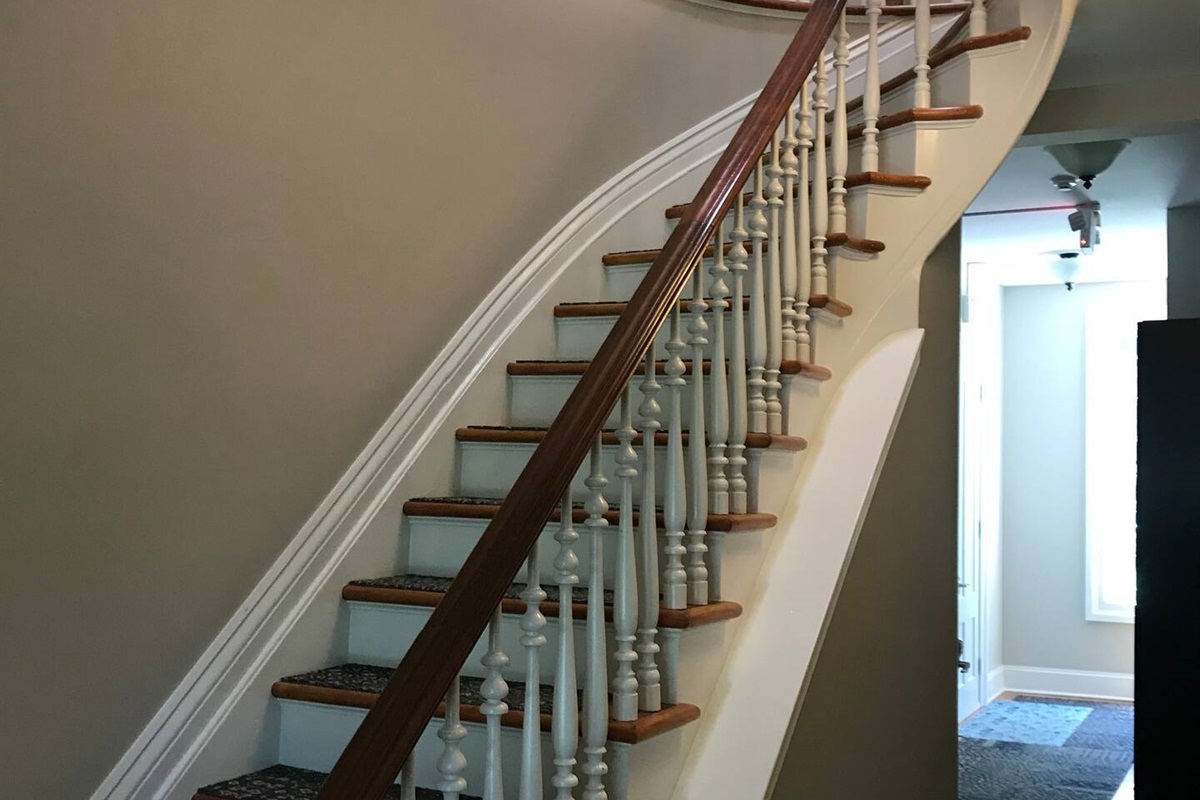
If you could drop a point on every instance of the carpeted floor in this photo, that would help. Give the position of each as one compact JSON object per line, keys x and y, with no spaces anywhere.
{"x":1032,"y":748}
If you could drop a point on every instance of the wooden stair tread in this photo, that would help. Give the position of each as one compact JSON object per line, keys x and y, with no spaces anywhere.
{"x":627,"y":258}
{"x":486,"y":508}
{"x":890,"y":179}
{"x":940,"y":114}
{"x":944,"y":54}
{"x":498,"y":434}
{"x":426,"y":591}
{"x":858,"y":243}
{"x":281,"y":782}
{"x":359,"y":686}
{"x":567,"y":368}
{"x":891,"y":11}
{"x":613,"y":308}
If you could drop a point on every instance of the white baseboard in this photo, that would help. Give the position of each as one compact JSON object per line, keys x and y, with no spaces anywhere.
{"x":1065,"y":683}
{"x":995,"y":684}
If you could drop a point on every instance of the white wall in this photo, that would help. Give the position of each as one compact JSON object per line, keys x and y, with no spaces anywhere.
{"x":1043,"y":478}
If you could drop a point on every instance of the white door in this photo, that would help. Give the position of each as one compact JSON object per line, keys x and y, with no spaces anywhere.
{"x":971,"y":685}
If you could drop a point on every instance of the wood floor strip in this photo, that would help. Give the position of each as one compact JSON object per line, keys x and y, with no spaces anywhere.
{"x":830,"y":304}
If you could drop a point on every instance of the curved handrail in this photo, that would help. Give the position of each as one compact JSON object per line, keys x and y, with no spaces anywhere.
{"x":797,"y":7}
{"x":370,"y":763}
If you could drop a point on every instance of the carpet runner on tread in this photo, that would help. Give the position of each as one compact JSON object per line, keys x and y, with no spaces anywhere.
{"x":433,"y":583}
{"x":289,"y":783}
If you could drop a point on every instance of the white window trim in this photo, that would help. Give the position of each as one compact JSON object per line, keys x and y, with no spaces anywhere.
{"x":1103,"y":371}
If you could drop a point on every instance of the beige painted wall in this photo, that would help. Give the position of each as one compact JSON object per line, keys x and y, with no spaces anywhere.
{"x":878,"y":716}
{"x":234,"y":233}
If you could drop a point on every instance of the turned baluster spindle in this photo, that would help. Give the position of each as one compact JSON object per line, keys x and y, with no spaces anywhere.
{"x":452,"y":763}
{"x":979,"y":24}
{"x":772,"y":388}
{"x":871,"y":99}
{"x":791,"y":169}
{"x":820,"y":186}
{"x":718,"y":406}
{"x":923,"y":31}
{"x":595,"y":689}
{"x":804,"y":230}
{"x":674,"y":492}
{"x":648,"y":676}
{"x":564,"y":723}
{"x":533,"y":638}
{"x":841,"y":142}
{"x":494,"y":690}
{"x":625,"y":599}
{"x":697,"y":570}
{"x":757,"y":323}
{"x":408,"y":780}
{"x":738,"y":412}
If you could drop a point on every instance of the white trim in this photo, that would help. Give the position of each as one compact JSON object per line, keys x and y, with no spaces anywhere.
{"x":1068,"y":683}
{"x":153,"y":765}
{"x":995,"y":685}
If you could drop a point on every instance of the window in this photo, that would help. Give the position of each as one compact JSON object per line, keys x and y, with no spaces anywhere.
{"x":1110,"y":465}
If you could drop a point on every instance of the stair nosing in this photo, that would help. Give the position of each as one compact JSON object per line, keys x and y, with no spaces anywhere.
{"x":647,"y":726}
{"x":724,"y":523}
{"x":575,"y":367}
{"x":493,"y":434}
{"x":856,"y":179}
{"x":675,"y":618}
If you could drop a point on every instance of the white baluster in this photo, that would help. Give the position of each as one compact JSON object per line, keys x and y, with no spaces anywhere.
{"x":738,"y":413}
{"x":841,"y":143}
{"x":804,"y":230}
{"x":674,"y":493}
{"x":979,"y":25}
{"x":757,"y":324}
{"x":625,"y":599}
{"x":697,"y":571}
{"x":791,"y":168}
{"x":408,"y":780}
{"x":774,"y":314}
{"x":494,"y":689}
{"x":923,"y":96}
{"x":718,"y":406}
{"x":871,"y":100}
{"x":452,"y":763}
{"x":532,"y":639}
{"x":820,"y":185}
{"x":595,"y":690}
{"x":648,"y":676}
{"x":564,"y":724}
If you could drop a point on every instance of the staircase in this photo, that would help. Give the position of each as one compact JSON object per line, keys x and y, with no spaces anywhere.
{"x":681,"y":567}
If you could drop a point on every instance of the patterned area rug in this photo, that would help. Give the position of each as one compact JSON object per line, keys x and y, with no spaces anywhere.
{"x":1033,"y":748}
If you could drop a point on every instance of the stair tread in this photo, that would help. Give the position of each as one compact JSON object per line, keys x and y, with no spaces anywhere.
{"x":909,"y":115}
{"x":577,"y":367}
{"x":944,"y":54}
{"x":507,"y":434}
{"x":426,"y":591}
{"x":626,"y":258}
{"x":359,"y":686}
{"x":901,"y":10}
{"x":486,"y":508}
{"x":280,"y":782}
{"x":889,"y":179}
{"x":613,"y":308}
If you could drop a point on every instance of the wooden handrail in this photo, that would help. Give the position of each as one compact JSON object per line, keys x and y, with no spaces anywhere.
{"x":370,"y":763}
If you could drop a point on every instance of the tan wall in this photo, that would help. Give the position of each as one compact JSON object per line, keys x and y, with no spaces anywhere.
{"x":234,"y":233}
{"x":878,"y":717}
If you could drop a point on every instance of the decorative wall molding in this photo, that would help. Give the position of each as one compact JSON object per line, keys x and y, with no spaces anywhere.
{"x":1068,"y":683}
{"x":153,"y":765}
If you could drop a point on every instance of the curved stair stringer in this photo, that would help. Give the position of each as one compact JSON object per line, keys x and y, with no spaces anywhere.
{"x":733,"y":751}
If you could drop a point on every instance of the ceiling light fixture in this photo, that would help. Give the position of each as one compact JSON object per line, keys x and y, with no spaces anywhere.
{"x":1086,"y":160}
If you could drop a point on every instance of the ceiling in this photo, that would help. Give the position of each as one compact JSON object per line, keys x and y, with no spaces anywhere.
{"x":1158,"y":170}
